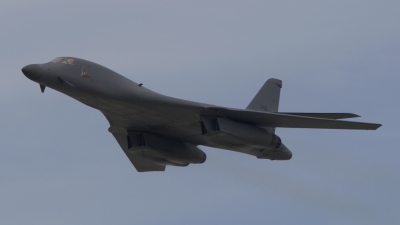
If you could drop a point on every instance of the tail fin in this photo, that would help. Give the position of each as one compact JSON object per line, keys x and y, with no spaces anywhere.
{"x":267,"y":98}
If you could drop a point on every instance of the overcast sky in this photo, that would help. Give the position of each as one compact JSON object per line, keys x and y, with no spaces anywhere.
{"x":59,"y":164}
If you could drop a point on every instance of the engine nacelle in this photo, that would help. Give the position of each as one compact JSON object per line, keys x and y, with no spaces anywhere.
{"x":240,"y":133}
{"x":164,"y":151}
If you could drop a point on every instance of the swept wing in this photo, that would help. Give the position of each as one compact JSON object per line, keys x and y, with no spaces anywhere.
{"x":269,"y":119}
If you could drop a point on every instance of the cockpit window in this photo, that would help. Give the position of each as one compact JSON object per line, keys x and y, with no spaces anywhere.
{"x":64,"y":60}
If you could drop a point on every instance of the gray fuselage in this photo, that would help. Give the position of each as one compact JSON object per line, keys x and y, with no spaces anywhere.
{"x":130,"y":106}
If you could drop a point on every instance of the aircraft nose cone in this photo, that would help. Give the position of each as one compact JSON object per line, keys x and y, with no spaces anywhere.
{"x":32,"y":71}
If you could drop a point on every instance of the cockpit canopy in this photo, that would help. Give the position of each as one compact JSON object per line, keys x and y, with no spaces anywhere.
{"x":64,"y":60}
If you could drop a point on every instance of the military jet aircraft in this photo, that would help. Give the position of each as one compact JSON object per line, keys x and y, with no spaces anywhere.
{"x":155,"y":130}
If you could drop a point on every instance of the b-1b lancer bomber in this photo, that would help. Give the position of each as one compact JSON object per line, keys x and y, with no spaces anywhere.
{"x":155,"y":130}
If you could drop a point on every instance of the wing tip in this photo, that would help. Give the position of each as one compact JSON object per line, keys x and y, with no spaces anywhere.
{"x":352,"y":115}
{"x":376,"y":126}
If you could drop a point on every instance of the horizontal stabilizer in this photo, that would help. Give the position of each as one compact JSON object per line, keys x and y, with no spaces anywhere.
{"x":268,"y":119}
{"x":333,"y":116}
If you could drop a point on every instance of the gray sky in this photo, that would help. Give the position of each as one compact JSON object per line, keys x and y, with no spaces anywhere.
{"x":59,"y":164}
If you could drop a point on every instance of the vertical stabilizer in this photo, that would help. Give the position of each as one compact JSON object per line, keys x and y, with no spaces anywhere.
{"x":267,"y":98}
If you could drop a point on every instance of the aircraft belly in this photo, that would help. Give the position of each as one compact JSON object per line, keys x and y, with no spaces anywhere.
{"x":216,"y":142}
{"x":184,"y":126}
{"x":166,"y":125}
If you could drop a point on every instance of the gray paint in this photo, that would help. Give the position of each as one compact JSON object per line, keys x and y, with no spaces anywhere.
{"x":171,"y":127}
{"x":58,"y":159}
{"x":267,"y":99}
